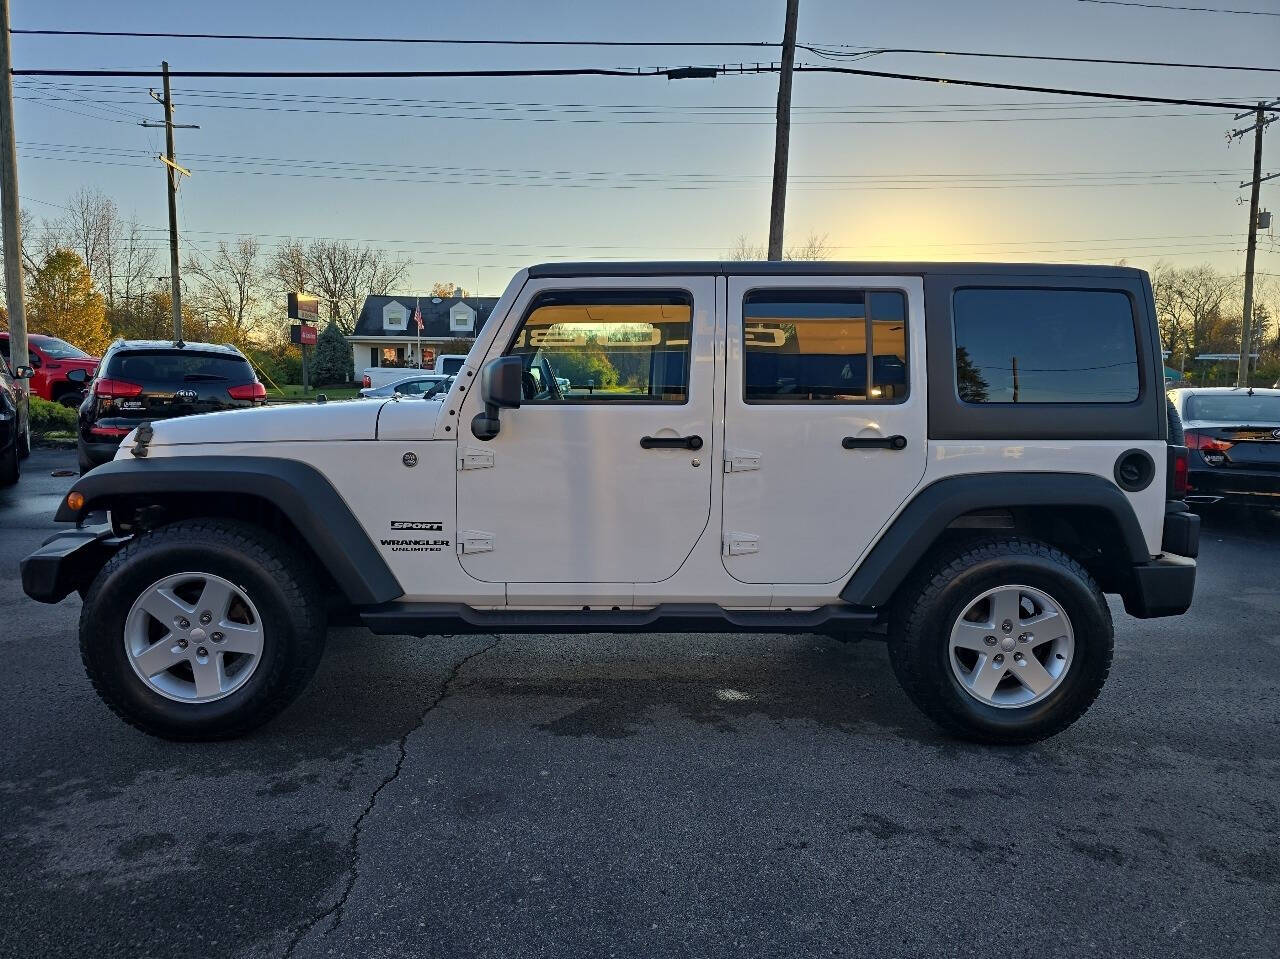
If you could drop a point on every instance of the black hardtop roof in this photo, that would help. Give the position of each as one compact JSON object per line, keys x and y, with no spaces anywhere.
{"x":823,"y":268}
{"x":225,"y":349}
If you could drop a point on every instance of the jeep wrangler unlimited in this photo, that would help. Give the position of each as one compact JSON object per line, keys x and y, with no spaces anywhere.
{"x":961,"y":457}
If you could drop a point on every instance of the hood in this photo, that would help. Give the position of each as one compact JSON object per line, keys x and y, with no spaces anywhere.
{"x":354,"y":420}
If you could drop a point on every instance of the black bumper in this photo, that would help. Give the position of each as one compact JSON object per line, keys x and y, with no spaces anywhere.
{"x":98,"y":452}
{"x":1235,"y":485}
{"x":67,"y":562}
{"x":1165,"y":586}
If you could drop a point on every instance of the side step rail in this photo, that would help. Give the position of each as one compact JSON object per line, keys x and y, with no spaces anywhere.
{"x":433,"y":619}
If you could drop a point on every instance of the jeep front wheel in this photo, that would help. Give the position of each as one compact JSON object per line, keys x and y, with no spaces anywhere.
{"x":1002,"y":640}
{"x":204,"y":629}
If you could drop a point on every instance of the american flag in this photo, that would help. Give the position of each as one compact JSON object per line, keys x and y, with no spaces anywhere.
{"x":417,"y":316}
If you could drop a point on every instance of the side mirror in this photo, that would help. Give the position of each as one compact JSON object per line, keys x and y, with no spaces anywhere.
{"x":501,"y":387}
{"x":77,"y":376}
{"x":24,"y":373}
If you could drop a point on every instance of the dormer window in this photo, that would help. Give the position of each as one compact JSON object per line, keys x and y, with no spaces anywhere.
{"x":395,"y":316}
{"x":462,"y":318}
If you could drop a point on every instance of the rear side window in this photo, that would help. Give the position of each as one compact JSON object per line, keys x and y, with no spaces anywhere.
{"x":1045,"y":346}
{"x":606,"y":346}
{"x":451,"y":364}
{"x":813,"y":346}
{"x":159,"y":366}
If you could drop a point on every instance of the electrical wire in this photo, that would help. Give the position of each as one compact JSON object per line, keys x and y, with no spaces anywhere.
{"x":1169,"y":6}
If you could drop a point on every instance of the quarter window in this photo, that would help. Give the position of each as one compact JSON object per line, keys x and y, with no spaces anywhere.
{"x":812,"y":346}
{"x":606,"y":346}
{"x":1045,"y":346}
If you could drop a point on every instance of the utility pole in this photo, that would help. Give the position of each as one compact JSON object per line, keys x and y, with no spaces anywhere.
{"x":172,"y":172}
{"x":782,"y":136}
{"x":9,"y":215}
{"x":1246,"y":326}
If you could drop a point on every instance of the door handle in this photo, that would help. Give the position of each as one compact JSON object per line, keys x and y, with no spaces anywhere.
{"x":671,"y":442}
{"x":897,"y":442}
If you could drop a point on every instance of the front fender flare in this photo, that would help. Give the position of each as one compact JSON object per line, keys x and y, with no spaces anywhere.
{"x":301,"y":492}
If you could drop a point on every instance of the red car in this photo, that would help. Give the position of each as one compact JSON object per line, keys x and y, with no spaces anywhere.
{"x":53,"y":359}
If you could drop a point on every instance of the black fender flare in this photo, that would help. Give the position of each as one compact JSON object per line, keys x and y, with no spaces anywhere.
{"x":300,"y":491}
{"x":933,"y":509}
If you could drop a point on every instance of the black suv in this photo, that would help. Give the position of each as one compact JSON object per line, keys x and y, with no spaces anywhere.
{"x":141,"y":380}
{"x":15,"y":422}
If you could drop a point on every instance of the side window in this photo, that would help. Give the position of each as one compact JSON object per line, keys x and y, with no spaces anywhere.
{"x":588,"y":346}
{"x":1045,"y":346}
{"x":812,"y":346}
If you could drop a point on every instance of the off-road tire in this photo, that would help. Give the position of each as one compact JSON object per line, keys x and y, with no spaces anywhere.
{"x":929,"y":603}
{"x":270,"y":572}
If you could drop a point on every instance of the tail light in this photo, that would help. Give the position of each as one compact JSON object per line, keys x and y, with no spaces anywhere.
{"x":248,"y":391}
{"x":115,"y":432}
{"x":1178,"y":484}
{"x":366,"y":382}
{"x":1205,"y":444}
{"x":110,"y":389}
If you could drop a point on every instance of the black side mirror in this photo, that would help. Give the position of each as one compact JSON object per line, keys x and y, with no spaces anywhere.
{"x":23,"y":373}
{"x":77,"y":376}
{"x":501,"y":387}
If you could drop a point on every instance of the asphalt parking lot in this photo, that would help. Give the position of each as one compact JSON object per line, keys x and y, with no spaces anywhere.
{"x":650,"y":795}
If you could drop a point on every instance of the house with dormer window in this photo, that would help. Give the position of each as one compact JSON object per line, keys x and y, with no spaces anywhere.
{"x":386,"y":335}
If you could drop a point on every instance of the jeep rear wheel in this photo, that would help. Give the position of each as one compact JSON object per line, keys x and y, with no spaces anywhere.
{"x":202,"y":630}
{"x":1002,"y":641}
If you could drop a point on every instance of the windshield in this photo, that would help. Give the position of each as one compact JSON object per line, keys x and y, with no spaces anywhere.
{"x":57,"y":349}
{"x":1235,"y":409}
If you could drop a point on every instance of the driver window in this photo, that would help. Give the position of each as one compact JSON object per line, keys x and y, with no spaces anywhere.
{"x":606,"y":346}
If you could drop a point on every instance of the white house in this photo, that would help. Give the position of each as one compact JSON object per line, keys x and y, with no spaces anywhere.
{"x":386,"y":334}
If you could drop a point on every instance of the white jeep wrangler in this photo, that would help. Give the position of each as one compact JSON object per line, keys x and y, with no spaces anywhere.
{"x":961,"y":457}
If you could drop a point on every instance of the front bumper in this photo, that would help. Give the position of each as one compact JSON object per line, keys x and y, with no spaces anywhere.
{"x":68,"y":561}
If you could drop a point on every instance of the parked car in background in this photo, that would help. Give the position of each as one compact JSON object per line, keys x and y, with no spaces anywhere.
{"x":141,"y":380}
{"x":450,"y":363}
{"x":1233,"y":436}
{"x":15,"y":423}
{"x":425,"y":385}
{"x":53,"y":360}
{"x":377,"y":376}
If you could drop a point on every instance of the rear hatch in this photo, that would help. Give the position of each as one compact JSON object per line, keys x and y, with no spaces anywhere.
{"x":162,"y":383}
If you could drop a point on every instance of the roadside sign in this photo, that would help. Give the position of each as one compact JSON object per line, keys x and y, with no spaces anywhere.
{"x":304,"y":307}
{"x":302,"y":334}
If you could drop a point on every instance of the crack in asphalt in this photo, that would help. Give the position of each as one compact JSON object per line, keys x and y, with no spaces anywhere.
{"x":353,"y":845}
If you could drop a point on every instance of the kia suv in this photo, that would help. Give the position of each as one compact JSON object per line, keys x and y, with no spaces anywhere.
{"x":140,"y":381}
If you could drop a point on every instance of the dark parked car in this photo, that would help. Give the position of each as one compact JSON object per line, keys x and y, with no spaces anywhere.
{"x":1233,"y":436}
{"x":141,"y":380}
{"x":15,"y":422}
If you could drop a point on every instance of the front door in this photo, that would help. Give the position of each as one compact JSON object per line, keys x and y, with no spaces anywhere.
{"x":603,"y":474}
{"x":824,"y":420}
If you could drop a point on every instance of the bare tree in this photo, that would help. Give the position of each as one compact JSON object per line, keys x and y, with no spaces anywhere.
{"x":814,"y":247}
{"x":341,"y":274}
{"x":91,"y":227}
{"x":230,"y":288}
{"x":1192,"y":306}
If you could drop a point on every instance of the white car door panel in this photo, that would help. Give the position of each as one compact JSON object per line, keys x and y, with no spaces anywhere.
{"x":572,"y":495}
{"x":820,"y":444}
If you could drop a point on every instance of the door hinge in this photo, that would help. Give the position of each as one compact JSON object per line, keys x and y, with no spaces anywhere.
{"x":473,"y":459}
{"x":474,"y":541}
{"x":739,"y":544}
{"x":739,"y":461}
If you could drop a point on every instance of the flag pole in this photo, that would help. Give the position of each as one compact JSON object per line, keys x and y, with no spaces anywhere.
{"x":417,"y":322}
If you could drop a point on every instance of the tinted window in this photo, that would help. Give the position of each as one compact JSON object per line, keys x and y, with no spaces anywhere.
{"x":1045,"y":346}
{"x":161,"y":366}
{"x":605,"y":346}
{"x":1234,"y":409}
{"x":811,"y":346}
{"x":451,"y":364}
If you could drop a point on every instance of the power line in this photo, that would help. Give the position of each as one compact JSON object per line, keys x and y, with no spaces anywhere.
{"x":862,"y":51}
{"x":1169,"y":6}
{"x":671,"y":73}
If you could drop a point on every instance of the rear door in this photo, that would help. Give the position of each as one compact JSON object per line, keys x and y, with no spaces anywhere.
{"x":608,"y":480}
{"x":824,"y":421}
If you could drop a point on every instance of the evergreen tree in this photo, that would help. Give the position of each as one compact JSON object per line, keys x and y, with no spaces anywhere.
{"x":331,"y":361}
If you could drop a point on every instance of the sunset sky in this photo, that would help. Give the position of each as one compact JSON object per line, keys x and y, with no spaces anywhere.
{"x":490,"y":175}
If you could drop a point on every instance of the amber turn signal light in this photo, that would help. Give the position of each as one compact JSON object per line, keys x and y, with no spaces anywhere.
{"x":75,"y":501}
